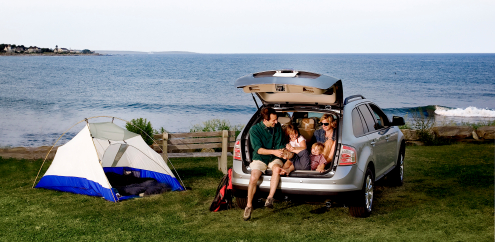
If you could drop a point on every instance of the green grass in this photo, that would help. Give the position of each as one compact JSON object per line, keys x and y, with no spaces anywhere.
{"x":448,"y":195}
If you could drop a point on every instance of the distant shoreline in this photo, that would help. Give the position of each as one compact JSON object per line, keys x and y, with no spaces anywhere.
{"x":47,"y":54}
{"x":102,"y":53}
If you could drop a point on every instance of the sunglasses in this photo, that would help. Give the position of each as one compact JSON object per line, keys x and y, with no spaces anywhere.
{"x":325,"y":124}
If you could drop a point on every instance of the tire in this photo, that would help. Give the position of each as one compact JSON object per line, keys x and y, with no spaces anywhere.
{"x":362,"y":204}
{"x":397,"y":174}
{"x":241,"y":202}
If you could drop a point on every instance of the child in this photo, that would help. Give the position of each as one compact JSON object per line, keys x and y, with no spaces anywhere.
{"x":297,"y":144}
{"x":318,"y":161}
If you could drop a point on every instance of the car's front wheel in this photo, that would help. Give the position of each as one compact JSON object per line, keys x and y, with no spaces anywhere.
{"x":362,"y":203}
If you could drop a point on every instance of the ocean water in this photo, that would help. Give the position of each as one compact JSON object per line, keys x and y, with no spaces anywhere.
{"x":42,"y":97}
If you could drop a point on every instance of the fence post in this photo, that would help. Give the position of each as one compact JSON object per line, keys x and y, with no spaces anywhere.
{"x":165,"y":146}
{"x":223,"y":160}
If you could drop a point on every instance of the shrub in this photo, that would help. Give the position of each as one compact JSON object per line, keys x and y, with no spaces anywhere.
{"x":407,"y":124}
{"x":216,"y":125}
{"x":160,"y":131}
{"x":423,"y":125}
{"x":142,"y":127}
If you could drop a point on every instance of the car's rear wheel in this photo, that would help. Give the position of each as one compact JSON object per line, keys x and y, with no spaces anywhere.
{"x":362,"y":203}
{"x":397,"y":174}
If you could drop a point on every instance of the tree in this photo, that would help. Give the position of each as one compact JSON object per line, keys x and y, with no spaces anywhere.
{"x":86,"y":51}
{"x":142,"y":127}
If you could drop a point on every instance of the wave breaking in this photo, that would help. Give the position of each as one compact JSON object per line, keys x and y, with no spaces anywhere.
{"x":467,"y":112}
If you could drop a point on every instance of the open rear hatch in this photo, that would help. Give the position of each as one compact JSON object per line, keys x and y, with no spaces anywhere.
{"x":293,"y":87}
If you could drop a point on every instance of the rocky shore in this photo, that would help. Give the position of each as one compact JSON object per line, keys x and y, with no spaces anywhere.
{"x":29,"y":153}
{"x":454,"y":133}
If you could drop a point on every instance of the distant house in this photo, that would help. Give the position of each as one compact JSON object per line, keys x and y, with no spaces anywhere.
{"x":63,"y":50}
{"x":20,"y":49}
{"x":34,"y":49}
{"x":9,"y":49}
{"x":75,"y":51}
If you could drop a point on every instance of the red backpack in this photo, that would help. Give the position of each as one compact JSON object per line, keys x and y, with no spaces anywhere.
{"x":223,"y":198}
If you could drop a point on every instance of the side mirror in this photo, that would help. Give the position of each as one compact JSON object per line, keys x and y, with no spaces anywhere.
{"x":397,"y":121}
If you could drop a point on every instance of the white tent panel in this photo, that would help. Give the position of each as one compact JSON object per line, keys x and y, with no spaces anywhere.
{"x":151,"y":160}
{"x":108,"y":158}
{"x":78,"y":158}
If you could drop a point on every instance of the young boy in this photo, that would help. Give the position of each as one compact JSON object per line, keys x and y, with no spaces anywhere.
{"x":318,"y":162}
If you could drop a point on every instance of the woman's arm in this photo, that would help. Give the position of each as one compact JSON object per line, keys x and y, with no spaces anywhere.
{"x":329,"y":150}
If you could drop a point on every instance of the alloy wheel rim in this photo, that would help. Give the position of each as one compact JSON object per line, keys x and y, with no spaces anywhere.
{"x":369,"y":193}
{"x":401,"y":167}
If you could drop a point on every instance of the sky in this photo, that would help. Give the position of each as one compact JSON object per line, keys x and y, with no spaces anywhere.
{"x":254,"y":26}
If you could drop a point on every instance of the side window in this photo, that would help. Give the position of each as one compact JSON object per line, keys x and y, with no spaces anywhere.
{"x":381,"y":118}
{"x":357,"y":123}
{"x":368,"y":118}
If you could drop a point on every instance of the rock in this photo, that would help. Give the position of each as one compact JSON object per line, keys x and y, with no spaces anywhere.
{"x":475,"y":135}
{"x":410,"y":134}
{"x":486,"y":132}
{"x":453,"y":132}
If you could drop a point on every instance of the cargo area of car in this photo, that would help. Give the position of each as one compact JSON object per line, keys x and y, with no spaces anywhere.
{"x":307,"y":123}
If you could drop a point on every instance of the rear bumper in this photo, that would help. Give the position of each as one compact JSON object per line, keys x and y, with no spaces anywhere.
{"x":345,"y":179}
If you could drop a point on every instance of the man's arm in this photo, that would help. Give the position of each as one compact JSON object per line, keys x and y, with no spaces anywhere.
{"x":277,"y":153}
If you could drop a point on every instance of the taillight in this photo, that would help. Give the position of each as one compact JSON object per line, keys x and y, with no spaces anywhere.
{"x":237,"y":150}
{"x":348,"y":156}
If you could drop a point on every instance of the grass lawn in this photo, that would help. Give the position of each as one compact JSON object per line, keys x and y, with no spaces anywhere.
{"x":448,"y":195}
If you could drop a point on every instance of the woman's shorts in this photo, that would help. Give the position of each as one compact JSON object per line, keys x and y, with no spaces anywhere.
{"x":260,"y":165}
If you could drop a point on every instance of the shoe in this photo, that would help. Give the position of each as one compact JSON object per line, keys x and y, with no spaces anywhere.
{"x":269,"y":202}
{"x":247,"y":213}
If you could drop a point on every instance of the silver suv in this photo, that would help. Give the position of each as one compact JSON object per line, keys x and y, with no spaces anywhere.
{"x":369,"y":145}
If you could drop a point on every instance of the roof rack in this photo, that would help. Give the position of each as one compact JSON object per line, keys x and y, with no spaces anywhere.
{"x":350,"y":98}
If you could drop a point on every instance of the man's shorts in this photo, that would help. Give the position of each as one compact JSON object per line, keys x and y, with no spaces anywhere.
{"x":260,"y":165}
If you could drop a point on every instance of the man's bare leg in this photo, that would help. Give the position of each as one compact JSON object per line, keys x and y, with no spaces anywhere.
{"x":253,"y":183}
{"x":273,"y":185}
{"x":275,"y":179}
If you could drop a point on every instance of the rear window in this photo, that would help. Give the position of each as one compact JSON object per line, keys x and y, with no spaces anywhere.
{"x":357,"y":123}
{"x":368,"y":118}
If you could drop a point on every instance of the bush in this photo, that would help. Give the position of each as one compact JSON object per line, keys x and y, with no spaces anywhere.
{"x":216,"y":125}
{"x":423,"y":126}
{"x":142,"y":127}
{"x":407,"y":124}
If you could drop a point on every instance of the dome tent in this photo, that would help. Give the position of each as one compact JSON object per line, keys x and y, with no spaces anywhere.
{"x":80,"y":165}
